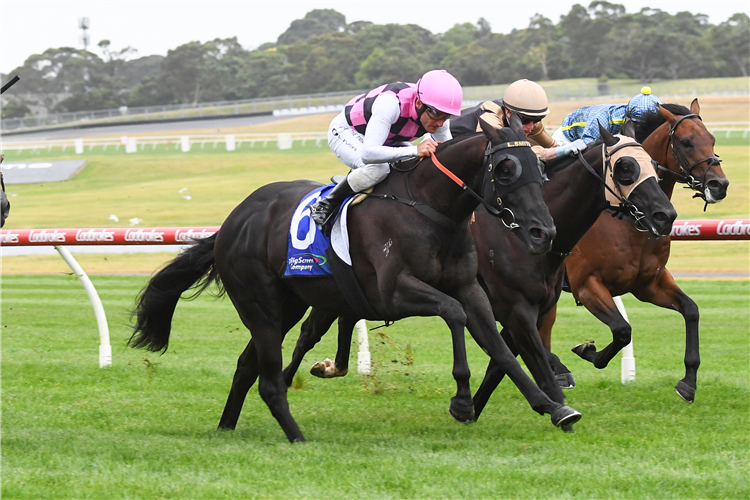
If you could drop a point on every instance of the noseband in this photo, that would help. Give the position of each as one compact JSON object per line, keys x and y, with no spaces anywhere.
{"x":686,"y":177}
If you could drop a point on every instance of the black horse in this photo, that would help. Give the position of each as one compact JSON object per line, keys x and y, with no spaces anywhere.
{"x":424,"y":265}
{"x":522,"y":287}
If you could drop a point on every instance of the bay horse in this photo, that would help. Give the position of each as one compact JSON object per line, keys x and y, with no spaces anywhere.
{"x":4,"y":203}
{"x":613,"y":258}
{"x":423,"y":266}
{"x":521,"y":286}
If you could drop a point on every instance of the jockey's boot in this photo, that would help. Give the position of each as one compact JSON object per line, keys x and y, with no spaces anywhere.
{"x":323,"y":209}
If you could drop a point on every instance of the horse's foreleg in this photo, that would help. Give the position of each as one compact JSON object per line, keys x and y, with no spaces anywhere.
{"x":483,"y":329}
{"x":522,"y":327}
{"x":492,"y":378}
{"x":313,"y":328}
{"x":413,"y":297}
{"x":597,"y":299}
{"x":562,"y":373}
{"x":547,"y":321}
{"x":665,"y":293}
{"x":346,"y":331}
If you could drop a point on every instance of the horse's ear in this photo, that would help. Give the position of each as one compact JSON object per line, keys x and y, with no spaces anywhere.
{"x":629,"y":129}
{"x":490,"y":132}
{"x":695,"y":108}
{"x":667,"y":115}
{"x":516,"y":124}
{"x":607,"y":136}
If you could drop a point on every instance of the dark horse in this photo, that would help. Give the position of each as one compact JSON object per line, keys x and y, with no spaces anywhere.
{"x":521,"y":286}
{"x":4,"y":203}
{"x":423,"y":266}
{"x":613,"y":258}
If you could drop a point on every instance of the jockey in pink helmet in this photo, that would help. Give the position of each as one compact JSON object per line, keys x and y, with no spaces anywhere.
{"x":377,"y":128}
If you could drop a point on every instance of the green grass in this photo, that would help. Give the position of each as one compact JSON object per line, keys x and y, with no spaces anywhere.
{"x":146,"y":427}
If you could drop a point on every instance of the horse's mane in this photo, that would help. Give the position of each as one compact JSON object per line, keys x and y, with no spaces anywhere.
{"x":652,"y":121}
{"x":507,"y":134}
{"x":454,"y":141}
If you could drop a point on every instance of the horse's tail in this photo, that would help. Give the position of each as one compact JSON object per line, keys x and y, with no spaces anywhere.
{"x":192,"y":268}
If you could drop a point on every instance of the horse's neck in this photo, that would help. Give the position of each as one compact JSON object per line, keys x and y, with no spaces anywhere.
{"x":575,"y":198}
{"x":431,"y":186}
{"x":657,"y":147}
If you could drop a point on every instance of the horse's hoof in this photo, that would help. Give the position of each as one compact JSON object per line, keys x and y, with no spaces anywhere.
{"x":685,"y":391}
{"x":326,"y":369}
{"x":565,"y":415}
{"x":462,"y":413}
{"x":566,"y":380}
{"x":586,"y":351}
{"x":567,"y":428}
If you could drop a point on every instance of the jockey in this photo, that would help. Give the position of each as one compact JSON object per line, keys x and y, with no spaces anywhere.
{"x":376,"y":128}
{"x":529,"y":100}
{"x":582,"y":124}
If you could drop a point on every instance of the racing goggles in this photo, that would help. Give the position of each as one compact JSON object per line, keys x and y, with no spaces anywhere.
{"x":436,"y":114}
{"x":525,"y":120}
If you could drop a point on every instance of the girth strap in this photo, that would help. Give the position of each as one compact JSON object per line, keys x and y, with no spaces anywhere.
{"x":426,"y":210}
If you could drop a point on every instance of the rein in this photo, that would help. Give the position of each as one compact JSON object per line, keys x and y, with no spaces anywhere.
{"x":686,"y":177}
{"x":441,"y":219}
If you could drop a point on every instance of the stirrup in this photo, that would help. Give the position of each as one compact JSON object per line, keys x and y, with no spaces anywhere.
{"x":321,"y":212}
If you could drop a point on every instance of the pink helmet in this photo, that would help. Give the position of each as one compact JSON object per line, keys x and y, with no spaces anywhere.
{"x":440,"y":90}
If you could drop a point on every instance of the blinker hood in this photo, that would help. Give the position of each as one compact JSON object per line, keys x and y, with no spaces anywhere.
{"x":504,"y":181}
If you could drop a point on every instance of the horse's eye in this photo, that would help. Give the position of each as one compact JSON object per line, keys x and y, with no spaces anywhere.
{"x":686,"y":143}
{"x":505,"y":174}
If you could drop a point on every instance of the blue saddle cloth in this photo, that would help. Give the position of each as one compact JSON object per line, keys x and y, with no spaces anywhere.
{"x":306,"y":254}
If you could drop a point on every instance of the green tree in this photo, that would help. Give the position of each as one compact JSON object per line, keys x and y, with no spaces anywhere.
{"x":14,"y":108}
{"x":731,"y":43}
{"x":316,"y":22}
{"x":323,"y":64}
{"x":388,"y":65}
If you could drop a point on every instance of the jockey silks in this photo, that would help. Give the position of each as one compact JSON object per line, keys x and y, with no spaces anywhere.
{"x":358,"y":112}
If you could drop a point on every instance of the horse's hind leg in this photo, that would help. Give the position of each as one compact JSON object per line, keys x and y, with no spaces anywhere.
{"x":244,"y":378}
{"x":313,"y":328}
{"x":262,"y":359}
{"x":597,"y":299}
{"x":667,"y":294}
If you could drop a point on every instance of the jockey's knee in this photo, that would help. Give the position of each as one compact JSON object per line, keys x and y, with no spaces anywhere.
{"x":367,"y":176}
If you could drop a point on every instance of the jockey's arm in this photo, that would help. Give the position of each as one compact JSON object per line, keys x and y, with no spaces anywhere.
{"x":591,"y":130}
{"x":385,"y":112}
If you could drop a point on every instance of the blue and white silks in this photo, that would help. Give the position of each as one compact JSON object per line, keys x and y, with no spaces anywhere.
{"x":306,"y":254}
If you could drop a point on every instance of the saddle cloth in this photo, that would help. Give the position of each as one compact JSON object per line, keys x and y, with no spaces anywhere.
{"x":307,"y":245}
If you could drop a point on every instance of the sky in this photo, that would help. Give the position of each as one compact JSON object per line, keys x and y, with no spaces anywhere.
{"x":30,"y":27}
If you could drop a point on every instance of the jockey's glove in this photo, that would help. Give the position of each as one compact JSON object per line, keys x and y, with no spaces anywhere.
{"x":571,"y":149}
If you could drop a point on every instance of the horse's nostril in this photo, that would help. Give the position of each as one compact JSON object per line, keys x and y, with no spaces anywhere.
{"x":542,"y":234}
{"x":717,"y":189}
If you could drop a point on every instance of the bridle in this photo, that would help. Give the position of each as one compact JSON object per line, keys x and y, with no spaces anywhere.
{"x":493,"y":154}
{"x":685,"y":175}
{"x":626,"y":206}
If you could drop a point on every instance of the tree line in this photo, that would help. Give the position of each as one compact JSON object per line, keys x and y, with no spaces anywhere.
{"x":322,"y":52}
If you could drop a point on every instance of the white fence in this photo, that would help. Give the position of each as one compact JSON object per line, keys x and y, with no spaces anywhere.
{"x":232,"y":142}
{"x":184,"y":143}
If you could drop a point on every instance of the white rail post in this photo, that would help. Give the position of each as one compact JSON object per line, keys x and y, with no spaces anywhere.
{"x":363,"y":354}
{"x":105,"y":349}
{"x":628,"y":358}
